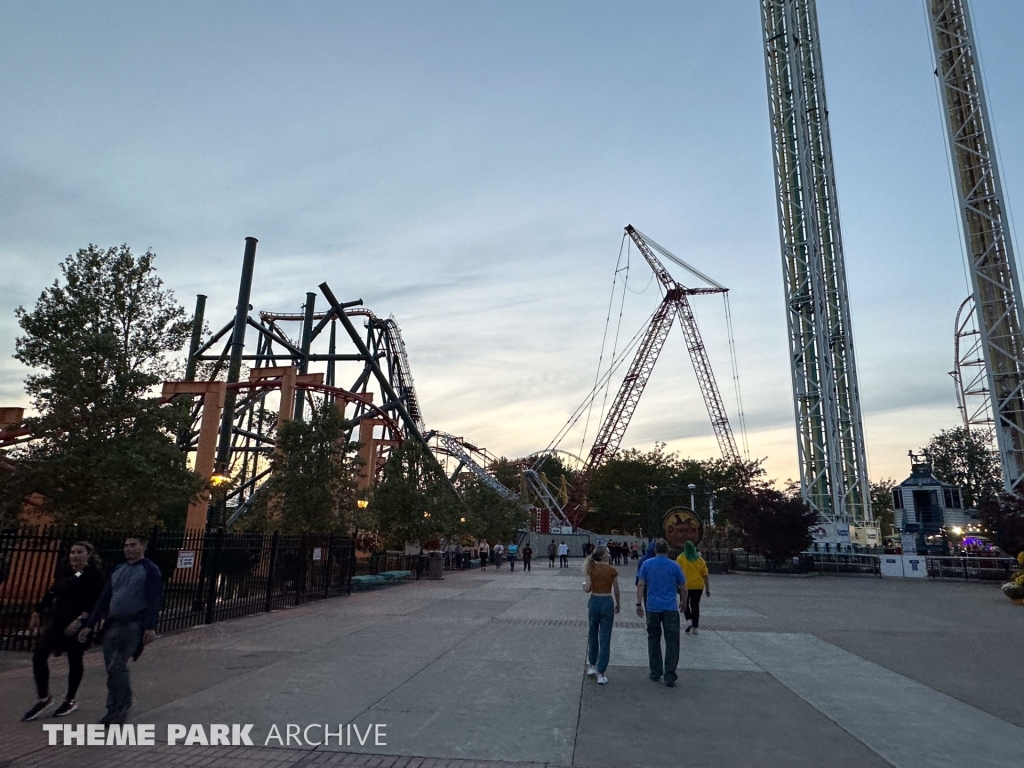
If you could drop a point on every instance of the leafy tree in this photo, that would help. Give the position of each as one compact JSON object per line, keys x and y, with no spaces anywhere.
{"x":881,"y":504}
{"x":1004,"y":517}
{"x":99,"y":340}
{"x":967,"y":459}
{"x":772,"y":523}
{"x":488,"y":515}
{"x":508,"y":473}
{"x":620,"y":490}
{"x":412,"y":501}
{"x":312,"y":486}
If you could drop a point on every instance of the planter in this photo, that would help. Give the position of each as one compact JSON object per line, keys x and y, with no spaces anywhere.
{"x":1014,"y":591}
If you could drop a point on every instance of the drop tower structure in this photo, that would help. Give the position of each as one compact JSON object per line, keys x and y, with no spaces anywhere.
{"x":826,"y":396}
{"x":995,"y":286}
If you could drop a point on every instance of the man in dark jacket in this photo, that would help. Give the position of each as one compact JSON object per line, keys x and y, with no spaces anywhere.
{"x":131,"y":604}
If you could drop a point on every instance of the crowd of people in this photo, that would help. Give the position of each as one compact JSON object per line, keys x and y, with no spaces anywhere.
{"x":82,"y":607}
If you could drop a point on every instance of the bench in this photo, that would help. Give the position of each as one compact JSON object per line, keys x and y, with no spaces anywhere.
{"x":393,"y":576}
{"x":365,"y":582}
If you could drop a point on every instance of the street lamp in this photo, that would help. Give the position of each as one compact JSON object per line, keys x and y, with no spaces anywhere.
{"x":693,"y":499}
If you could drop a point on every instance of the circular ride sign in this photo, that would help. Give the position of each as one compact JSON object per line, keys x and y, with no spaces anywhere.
{"x":681,"y":524}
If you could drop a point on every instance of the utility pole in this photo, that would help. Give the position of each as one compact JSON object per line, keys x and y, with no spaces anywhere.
{"x":826,"y":396}
{"x":982,"y":207}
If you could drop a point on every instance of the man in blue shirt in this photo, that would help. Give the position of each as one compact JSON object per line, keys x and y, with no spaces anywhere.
{"x":660,"y":583}
{"x":130,"y":604}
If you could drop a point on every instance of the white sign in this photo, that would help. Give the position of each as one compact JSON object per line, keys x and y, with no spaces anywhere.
{"x":823,"y":532}
{"x":892,"y":565}
{"x":843,"y":532}
{"x":186,"y":558}
{"x":914,"y":566}
{"x":318,"y":553}
{"x":909,"y":543}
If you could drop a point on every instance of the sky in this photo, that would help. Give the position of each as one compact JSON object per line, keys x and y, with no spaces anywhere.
{"x":469,"y":167}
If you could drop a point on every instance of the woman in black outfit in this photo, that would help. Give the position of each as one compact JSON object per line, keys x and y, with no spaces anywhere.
{"x":69,"y":601}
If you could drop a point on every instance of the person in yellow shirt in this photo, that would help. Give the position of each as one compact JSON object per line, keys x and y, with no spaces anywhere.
{"x":697,"y":583}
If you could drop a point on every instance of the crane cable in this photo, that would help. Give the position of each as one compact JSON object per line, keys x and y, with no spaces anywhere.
{"x":604,"y":339}
{"x":589,"y":399}
{"x":741,"y":417}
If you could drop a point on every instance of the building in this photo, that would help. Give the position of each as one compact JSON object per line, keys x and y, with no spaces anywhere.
{"x":925,"y":507}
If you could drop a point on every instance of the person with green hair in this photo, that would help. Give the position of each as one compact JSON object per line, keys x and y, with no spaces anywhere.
{"x":697,"y":584}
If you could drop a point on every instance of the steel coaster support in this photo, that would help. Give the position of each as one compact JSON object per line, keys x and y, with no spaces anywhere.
{"x":982,"y":205}
{"x":307,"y":340}
{"x":235,"y":357}
{"x":540,"y":489}
{"x":826,"y":397}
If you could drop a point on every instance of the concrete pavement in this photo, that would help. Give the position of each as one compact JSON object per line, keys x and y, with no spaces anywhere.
{"x":488,"y":666}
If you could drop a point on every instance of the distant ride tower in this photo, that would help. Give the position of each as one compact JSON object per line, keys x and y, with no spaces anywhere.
{"x":994,"y":282}
{"x":830,"y":432}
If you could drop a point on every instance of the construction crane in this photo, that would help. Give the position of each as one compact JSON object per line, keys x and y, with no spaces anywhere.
{"x":995,"y":285}
{"x":826,"y":395}
{"x":674,"y":304}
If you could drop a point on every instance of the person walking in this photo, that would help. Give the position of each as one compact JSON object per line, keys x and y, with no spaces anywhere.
{"x":695,"y":569}
{"x":602,"y":583}
{"x":513,"y":555}
{"x":552,"y":551}
{"x":660,"y":584}
{"x":485,"y":551}
{"x":68,"y":602}
{"x":130,"y":603}
{"x":457,"y":556}
{"x":563,"y":555}
{"x":527,"y":556}
{"x":498,"y":554}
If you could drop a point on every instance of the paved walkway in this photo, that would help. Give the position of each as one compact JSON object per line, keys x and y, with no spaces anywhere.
{"x":486,"y":668}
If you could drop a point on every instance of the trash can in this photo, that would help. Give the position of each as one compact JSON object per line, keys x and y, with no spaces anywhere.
{"x":435,"y":566}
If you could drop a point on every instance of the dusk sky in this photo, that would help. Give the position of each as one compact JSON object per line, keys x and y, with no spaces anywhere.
{"x":469,"y":167}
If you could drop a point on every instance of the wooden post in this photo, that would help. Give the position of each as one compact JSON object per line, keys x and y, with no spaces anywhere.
{"x":213,"y":393}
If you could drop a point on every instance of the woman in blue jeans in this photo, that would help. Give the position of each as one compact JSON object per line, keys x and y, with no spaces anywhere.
{"x":602,"y":583}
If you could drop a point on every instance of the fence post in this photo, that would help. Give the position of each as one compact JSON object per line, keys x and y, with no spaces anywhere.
{"x":351,"y":565}
{"x":330,"y":561}
{"x":211,"y":584}
{"x":270,"y":572}
{"x":300,"y":588}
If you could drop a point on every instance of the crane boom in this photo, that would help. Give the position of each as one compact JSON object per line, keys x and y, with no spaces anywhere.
{"x":694,"y":344}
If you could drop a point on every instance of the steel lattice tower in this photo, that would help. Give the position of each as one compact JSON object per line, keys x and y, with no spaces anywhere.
{"x":830,"y":432}
{"x":993,"y":268}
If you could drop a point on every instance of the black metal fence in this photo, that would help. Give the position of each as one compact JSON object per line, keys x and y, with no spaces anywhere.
{"x":208,"y":577}
{"x":982,"y":568}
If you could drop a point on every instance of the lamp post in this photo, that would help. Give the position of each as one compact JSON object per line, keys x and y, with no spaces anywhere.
{"x":693,"y":499}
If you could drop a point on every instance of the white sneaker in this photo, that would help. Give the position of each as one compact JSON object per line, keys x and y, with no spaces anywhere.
{"x":591,"y":670}
{"x":602,"y":680}
{"x":693,"y":631}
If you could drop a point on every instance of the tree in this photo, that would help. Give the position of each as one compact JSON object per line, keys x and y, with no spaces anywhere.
{"x":1004,"y":517}
{"x":623,"y":492}
{"x":488,"y":515}
{"x":99,"y":340}
{"x":312,"y":486}
{"x":772,"y":523}
{"x":413,"y":501}
{"x":967,"y":459}
{"x":881,"y":504}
